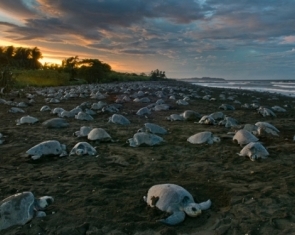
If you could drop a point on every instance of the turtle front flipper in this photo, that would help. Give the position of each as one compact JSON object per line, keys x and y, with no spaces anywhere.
{"x":35,"y":157}
{"x":176,"y":218}
{"x":205,"y":205}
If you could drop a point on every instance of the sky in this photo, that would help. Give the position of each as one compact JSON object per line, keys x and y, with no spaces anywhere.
{"x":230,"y":39}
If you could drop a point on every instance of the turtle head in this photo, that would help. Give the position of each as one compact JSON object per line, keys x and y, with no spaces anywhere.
{"x":253,"y":157}
{"x":192,"y":209}
{"x":216,"y":139}
{"x":80,"y":152}
{"x":43,"y":202}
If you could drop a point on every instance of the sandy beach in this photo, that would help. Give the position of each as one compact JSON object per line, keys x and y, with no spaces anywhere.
{"x":104,"y":194}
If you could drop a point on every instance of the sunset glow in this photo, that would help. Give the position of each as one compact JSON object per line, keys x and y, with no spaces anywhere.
{"x":191,"y":38}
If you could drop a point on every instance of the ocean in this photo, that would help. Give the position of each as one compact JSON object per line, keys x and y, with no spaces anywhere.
{"x":286,"y":88}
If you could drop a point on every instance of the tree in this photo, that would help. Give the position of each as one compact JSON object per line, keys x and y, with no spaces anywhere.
{"x":157,"y":74}
{"x":93,"y":70}
{"x":70,"y":66}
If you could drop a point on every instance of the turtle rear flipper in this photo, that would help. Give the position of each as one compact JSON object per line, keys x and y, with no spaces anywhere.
{"x":176,"y":218}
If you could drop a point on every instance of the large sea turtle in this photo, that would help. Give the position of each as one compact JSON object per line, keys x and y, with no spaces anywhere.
{"x":143,"y":138}
{"x":83,"y":132}
{"x":83,"y":148}
{"x":153,"y":128}
{"x":20,"y":208}
{"x":266,"y":128}
{"x":49,"y":147}
{"x":99,"y":134}
{"x":203,"y":137}
{"x":119,"y":119}
{"x":208,"y":120}
{"x":243,"y":137}
{"x":26,"y":120}
{"x":176,"y":200}
{"x":56,"y":123}
{"x":254,"y":151}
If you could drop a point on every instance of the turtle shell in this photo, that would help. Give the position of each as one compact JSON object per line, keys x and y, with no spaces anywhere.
{"x":244,"y":137}
{"x":201,"y":137}
{"x":17,"y":209}
{"x":56,"y":123}
{"x":143,"y":138}
{"x":83,"y":148}
{"x":99,"y":134}
{"x":50,"y":147}
{"x":170,"y":197}
{"x":119,"y":119}
{"x":27,"y":119}
{"x":83,"y":116}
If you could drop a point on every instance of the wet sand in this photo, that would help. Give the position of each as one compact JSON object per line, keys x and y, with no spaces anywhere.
{"x":104,"y":194}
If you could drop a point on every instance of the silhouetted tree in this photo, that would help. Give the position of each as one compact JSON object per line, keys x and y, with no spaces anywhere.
{"x":157,"y":74}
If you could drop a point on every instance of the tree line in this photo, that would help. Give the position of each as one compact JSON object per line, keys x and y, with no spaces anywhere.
{"x":20,"y":57}
{"x":91,"y":70}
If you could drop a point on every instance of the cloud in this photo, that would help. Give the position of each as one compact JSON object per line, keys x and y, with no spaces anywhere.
{"x":18,"y":8}
{"x":177,"y":31}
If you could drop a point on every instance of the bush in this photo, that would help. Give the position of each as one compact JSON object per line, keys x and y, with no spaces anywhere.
{"x":7,"y":80}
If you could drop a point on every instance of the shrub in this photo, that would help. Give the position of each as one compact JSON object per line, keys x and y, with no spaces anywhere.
{"x":7,"y":80}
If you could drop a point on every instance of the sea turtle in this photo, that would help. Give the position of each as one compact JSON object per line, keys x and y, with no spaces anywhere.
{"x":66,"y":114}
{"x":16,"y":110}
{"x":90,"y":112}
{"x":57,"y":111}
{"x":110,"y":109}
{"x":182,"y":102}
{"x":143,"y":111}
{"x":265,"y":127}
{"x":84,"y":131}
{"x":160,"y":107}
{"x":26,"y":120}
{"x":208,"y":120}
{"x":22,"y":105}
{"x":217,"y":115}
{"x":143,"y":138}
{"x":119,"y":119}
{"x":251,"y":128}
{"x":190,"y":115}
{"x":98,"y":105}
{"x":153,"y":128}
{"x":45,"y":108}
{"x":56,"y":123}
{"x":203,"y":137}
{"x":20,"y":208}
{"x":254,"y":150}
{"x":265,"y":112}
{"x":278,"y":109}
{"x":226,"y":107}
{"x":49,"y":147}
{"x":84,"y":116}
{"x":243,"y":137}
{"x":175,"y":200}
{"x":175,"y":117}
{"x":83,"y":148}
{"x":99,"y":134}
{"x":228,"y":122}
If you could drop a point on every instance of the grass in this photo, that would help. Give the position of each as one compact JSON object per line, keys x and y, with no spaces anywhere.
{"x":46,"y":78}
{"x":40,"y":78}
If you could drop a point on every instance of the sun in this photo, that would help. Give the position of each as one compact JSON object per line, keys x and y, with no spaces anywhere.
{"x":50,"y":61}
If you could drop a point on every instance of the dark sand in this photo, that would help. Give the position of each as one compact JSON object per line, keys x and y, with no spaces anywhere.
{"x":103,"y":195}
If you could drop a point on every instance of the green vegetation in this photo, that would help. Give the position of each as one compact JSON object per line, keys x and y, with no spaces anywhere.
{"x":20,"y":67}
{"x":41,"y":78}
